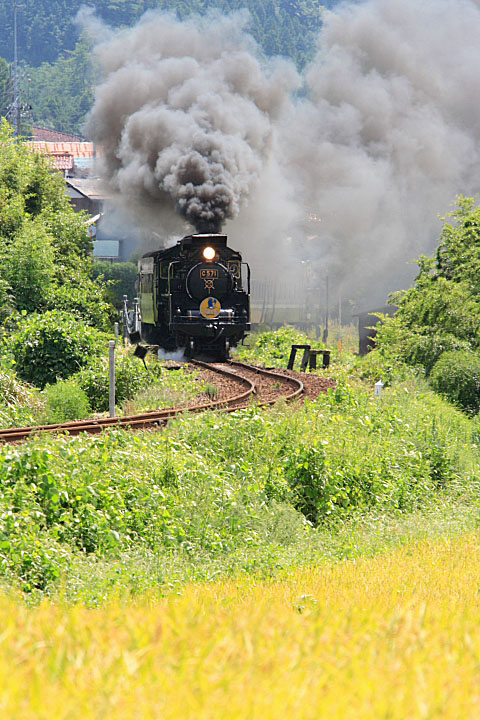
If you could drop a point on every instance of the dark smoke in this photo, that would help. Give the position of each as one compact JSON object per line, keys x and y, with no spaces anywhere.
{"x":185,"y":116}
{"x":350,"y":180}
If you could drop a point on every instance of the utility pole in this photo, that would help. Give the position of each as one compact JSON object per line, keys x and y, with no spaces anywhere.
{"x":16,"y":93}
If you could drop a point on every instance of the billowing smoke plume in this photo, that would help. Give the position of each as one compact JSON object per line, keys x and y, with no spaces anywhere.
{"x":389,"y":134}
{"x":352,"y":177}
{"x":184,"y":116}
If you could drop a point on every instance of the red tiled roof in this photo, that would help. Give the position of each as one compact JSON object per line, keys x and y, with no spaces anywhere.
{"x":44,"y":135}
{"x":63,"y":161}
{"x":77,"y":149}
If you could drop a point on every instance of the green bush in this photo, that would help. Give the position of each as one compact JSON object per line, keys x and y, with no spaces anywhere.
{"x":65,"y":401}
{"x":85,"y":300}
{"x":307,"y":477}
{"x":131,"y":377}
{"x":457,"y":376}
{"x":29,"y":266}
{"x":53,"y":345}
{"x":121,"y":278}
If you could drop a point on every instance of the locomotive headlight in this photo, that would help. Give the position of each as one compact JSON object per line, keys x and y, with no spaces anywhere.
{"x":208,"y":253}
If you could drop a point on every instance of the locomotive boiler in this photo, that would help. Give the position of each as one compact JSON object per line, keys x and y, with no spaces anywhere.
{"x":195,"y":296}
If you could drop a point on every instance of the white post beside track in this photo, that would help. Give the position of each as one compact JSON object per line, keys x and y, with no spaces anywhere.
{"x":111,"y":353}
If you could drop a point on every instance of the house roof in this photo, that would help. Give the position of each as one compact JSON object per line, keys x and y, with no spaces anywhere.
{"x":77,"y":149}
{"x":91,"y":188}
{"x":40,"y":134}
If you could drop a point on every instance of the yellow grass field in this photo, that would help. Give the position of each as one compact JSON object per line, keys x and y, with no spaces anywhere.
{"x":396,"y":636}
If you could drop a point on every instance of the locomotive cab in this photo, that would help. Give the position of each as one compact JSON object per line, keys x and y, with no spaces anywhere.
{"x":195,"y":295}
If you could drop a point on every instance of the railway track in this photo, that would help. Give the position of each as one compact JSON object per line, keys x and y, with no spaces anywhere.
{"x":265,"y":385}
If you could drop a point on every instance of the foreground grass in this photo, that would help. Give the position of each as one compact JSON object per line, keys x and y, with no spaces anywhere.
{"x":396,"y":636}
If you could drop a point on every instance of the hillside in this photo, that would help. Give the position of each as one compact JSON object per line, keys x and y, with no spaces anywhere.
{"x":47,"y":28}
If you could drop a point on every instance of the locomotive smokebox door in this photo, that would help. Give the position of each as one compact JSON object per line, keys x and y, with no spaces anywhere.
{"x":210,"y":279}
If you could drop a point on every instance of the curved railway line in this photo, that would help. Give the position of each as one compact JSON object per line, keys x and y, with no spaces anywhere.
{"x":241,"y":382}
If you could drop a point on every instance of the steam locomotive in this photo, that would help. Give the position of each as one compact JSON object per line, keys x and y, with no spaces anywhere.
{"x":195,"y":296}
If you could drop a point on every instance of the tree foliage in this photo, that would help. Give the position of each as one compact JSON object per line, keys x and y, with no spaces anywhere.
{"x":45,"y":253}
{"x":58,"y":73}
{"x":61,"y":93}
{"x":441,"y":312}
{"x":121,"y":278}
{"x":46,"y":28}
{"x":457,"y":376}
{"x":52,"y":345}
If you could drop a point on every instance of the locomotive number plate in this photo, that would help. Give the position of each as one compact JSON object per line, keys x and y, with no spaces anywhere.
{"x":209,"y":274}
{"x":210,"y":308}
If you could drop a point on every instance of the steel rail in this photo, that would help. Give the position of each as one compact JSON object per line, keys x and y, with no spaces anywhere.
{"x":139,"y":421}
{"x":161,"y":417}
{"x":298,"y":384}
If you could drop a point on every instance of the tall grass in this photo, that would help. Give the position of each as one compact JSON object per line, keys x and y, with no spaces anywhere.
{"x":392,"y":637}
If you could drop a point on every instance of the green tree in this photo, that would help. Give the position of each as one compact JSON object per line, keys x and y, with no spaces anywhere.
{"x":29,"y":267}
{"x":441,"y":312}
{"x":47,"y":29}
{"x":45,"y":252}
{"x":61,"y":94}
{"x":121,"y":278}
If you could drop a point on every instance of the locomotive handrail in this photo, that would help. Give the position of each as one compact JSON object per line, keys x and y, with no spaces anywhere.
{"x":174,"y":262}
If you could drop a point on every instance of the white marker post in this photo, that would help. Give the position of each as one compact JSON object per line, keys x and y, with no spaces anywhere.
{"x":111,"y":353}
{"x":378,"y":389}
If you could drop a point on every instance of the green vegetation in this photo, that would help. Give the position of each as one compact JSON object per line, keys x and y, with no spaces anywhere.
{"x":52,"y":345}
{"x":457,"y":376}
{"x":58,"y":74}
{"x":45,"y":30}
{"x":435,"y":329}
{"x":272,"y":349}
{"x":52,"y":312}
{"x":43,"y":242}
{"x":120,"y":277}
{"x":65,"y":401}
{"x":256,"y":491}
{"x":441,"y":312}
{"x":61,"y":93}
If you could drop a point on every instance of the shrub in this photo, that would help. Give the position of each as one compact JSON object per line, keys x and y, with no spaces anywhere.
{"x":121,"y":278}
{"x":52,"y":345}
{"x":29,"y":266}
{"x":85,"y":300}
{"x":131,"y":377}
{"x":65,"y":401}
{"x":457,"y":376}
{"x":307,"y":477}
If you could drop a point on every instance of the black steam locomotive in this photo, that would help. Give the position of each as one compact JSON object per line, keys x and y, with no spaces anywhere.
{"x":195,"y":296}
